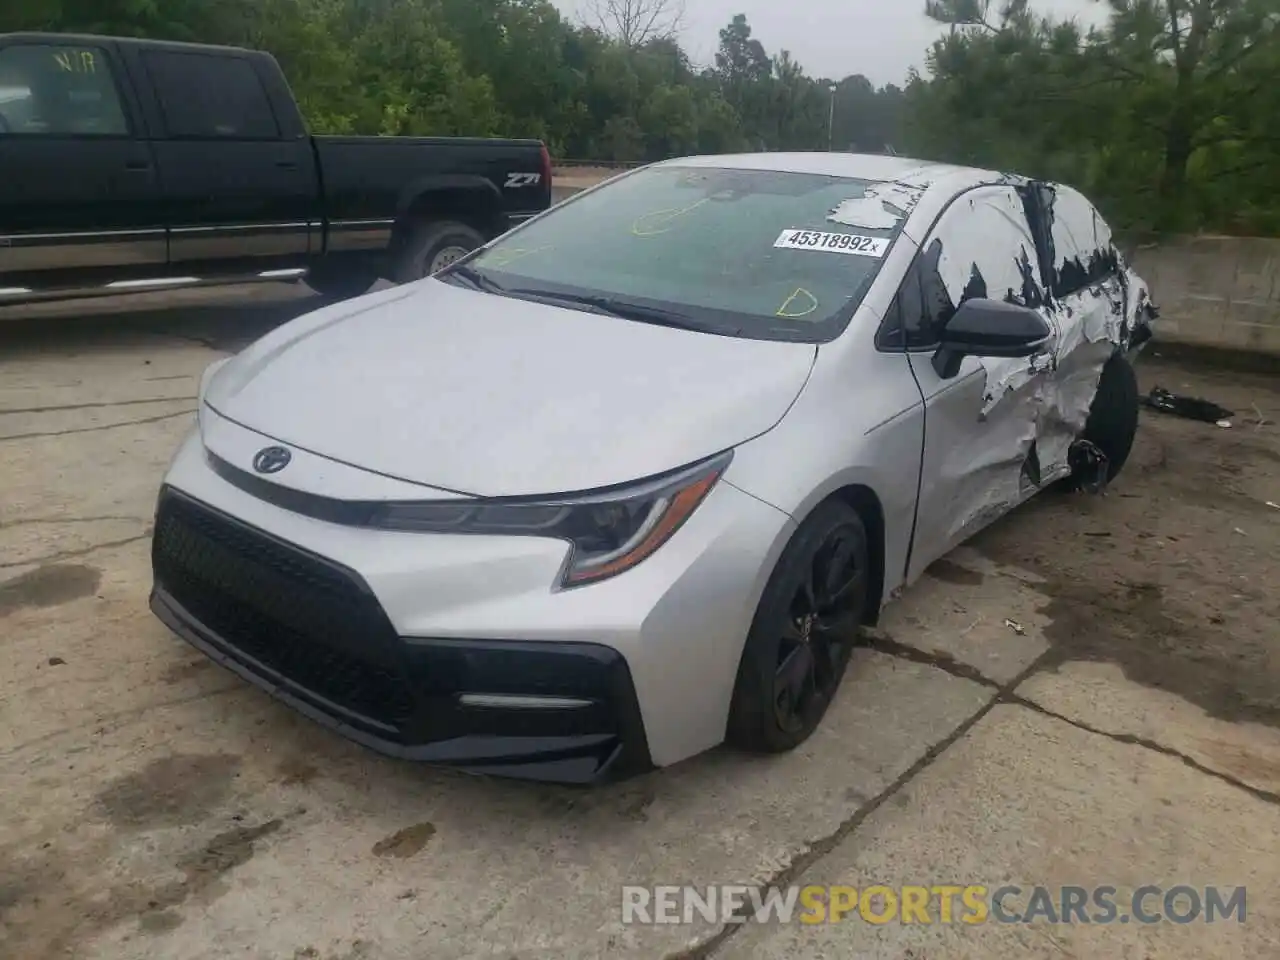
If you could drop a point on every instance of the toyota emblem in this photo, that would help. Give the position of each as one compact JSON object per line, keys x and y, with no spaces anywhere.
{"x":271,"y":459}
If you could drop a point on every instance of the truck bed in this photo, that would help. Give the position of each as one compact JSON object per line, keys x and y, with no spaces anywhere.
{"x":372,"y":176}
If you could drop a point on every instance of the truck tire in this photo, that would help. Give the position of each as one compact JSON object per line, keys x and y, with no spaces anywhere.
{"x":1113,"y":417}
{"x":341,"y":283}
{"x":433,"y":246}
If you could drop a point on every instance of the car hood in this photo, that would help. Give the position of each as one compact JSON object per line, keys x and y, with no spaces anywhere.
{"x":493,"y":396}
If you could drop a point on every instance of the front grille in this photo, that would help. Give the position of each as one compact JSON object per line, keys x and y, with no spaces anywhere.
{"x":310,"y":621}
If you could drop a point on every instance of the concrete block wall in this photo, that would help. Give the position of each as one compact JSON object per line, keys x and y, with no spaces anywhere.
{"x":1220,"y":292}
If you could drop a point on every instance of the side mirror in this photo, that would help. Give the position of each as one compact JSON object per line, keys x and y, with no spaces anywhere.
{"x":989,"y":328}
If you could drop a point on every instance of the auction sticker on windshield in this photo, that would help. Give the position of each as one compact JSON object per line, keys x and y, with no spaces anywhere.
{"x":850,"y":243}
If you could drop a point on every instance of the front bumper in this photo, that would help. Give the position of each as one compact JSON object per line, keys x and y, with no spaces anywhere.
{"x":676,"y":622}
{"x":310,"y":632}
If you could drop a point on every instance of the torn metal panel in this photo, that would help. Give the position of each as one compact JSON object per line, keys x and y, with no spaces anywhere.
{"x":881,"y":207}
{"x":1010,"y":241}
{"x":1035,"y":408}
{"x":971,"y":473}
{"x":989,"y":478}
{"x":1068,"y":398}
{"x":1140,"y":311}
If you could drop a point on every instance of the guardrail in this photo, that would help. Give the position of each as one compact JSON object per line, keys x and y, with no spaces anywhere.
{"x":603,"y":164}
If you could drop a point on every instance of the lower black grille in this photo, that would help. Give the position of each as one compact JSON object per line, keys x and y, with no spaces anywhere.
{"x":309,"y":620}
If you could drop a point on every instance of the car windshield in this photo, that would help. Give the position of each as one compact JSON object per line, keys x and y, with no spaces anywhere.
{"x":750,"y":253}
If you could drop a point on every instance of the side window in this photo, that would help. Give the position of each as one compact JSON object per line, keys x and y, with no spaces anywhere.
{"x":209,"y":97}
{"x":981,"y":247}
{"x":908,"y":323}
{"x":48,"y":90}
{"x":1082,"y":249}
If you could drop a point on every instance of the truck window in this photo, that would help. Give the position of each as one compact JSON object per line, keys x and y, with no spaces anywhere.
{"x":59,"y":91}
{"x":209,"y":97}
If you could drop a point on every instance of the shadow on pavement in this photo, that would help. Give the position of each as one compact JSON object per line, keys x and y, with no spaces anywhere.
{"x":224,"y":319}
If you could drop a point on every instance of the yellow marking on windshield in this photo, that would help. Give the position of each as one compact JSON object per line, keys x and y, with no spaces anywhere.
{"x":663,"y":219}
{"x":500,"y":258}
{"x":787,"y":309}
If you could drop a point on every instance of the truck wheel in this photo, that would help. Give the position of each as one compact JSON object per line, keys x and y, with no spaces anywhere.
{"x":803,"y":632}
{"x":341,"y":283}
{"x":432,"y":247}
{"x":1113,"y":417}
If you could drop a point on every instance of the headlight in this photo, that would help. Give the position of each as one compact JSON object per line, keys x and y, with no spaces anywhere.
{"x":610,"y":531}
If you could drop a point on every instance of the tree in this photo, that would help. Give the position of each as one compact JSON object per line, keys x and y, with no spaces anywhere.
{"x":745,"y":73}
{"x":1198,"y":55}
{"x":1166,"y":116}
{"x":634,"y":23}
{"x":1159,"y":115}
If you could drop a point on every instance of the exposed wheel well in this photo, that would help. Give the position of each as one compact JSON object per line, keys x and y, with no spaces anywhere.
{"x":864,"y":500}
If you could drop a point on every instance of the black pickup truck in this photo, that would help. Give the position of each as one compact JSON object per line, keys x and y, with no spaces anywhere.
{"x":130,"y":165}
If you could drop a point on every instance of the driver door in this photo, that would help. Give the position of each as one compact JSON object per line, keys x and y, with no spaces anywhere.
{"x":981,"y":426}
{"x":78,"y":188}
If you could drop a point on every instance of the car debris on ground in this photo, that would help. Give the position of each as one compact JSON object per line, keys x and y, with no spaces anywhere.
{"x":1193,"y":408}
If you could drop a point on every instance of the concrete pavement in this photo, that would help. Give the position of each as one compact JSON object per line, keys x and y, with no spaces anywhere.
{"x":1123,"y":729}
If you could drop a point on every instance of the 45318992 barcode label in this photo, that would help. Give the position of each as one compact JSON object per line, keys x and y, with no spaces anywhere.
{"x":850,"y":243}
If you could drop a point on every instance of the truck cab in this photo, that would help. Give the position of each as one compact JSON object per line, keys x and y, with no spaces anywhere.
{"x":131,"y":164}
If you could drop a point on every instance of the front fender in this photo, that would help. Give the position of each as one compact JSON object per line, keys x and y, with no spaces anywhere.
{"x":849,"y":428}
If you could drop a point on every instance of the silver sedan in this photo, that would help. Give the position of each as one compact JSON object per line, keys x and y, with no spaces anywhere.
{"x":625,"y":482}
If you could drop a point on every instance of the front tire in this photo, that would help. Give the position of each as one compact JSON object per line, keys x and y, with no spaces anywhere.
{"x":430,"y":247}
{"x":803,"y":632}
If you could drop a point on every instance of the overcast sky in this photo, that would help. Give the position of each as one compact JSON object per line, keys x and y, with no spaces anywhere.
{"x":878,"y":38}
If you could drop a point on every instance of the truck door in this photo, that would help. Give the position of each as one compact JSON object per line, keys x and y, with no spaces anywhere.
{"x":238,"y":186}
{"x":78,"y":187}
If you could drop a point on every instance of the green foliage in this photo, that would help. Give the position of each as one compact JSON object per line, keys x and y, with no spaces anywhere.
{"x":1167,"y":116}
{"x":504,"y":67}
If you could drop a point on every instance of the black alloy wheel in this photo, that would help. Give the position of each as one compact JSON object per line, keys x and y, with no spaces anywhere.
{"x":804,"y":632}
{"x":818,"y":636}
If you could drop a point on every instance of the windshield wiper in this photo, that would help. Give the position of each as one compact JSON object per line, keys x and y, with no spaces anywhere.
{"x":473,"y":278}
{"x":613,"y":307}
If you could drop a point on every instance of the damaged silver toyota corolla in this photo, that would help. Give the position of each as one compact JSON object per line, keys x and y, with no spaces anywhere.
{"x":623,"y":483}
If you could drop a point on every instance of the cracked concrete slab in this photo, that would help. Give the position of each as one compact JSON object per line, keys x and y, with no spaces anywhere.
{"x":975,"y":611}
{"x":35,"y":384}
{"x":96,"y":473}
{"x":25,"y":545}
{"x":142,"y":758}
{"x":59,"y":423}
{"x":1029,"y":800}
{"x":1098,"y":694}
{"x":166,"y":809}
{"x":494,"y":847}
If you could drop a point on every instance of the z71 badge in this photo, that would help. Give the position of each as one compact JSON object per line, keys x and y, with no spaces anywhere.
{"x":522,"y":180}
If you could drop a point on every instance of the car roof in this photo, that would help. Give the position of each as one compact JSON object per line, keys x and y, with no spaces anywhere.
{"x":859,"y":166}
{"x":933,"y":184}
